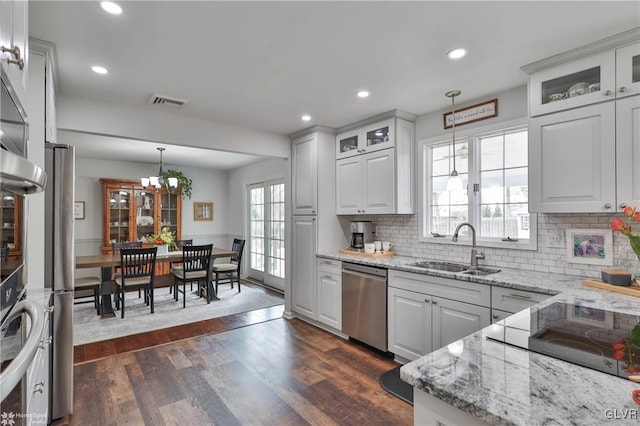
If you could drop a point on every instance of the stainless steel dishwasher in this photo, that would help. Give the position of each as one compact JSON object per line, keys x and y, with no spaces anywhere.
{"x":364,"y":304}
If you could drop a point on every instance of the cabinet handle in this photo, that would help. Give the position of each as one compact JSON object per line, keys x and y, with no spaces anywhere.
{"x":607,"y":206}
{"x":427,"y":300}
{"x":607,"y":93}
{"x":434,"y":301}
{"x":45,"y":342}
{"x":313,"y":211}
{"x":39,"y":387}
{"x":15,"y":52}
{"x":520,"y":296}
{"x":622,"y":89}
{"x":327,"y":277}
{"x":623,"y":205}
{"x":494,"y":316}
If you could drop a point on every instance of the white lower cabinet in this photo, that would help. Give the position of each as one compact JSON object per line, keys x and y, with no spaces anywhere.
{"x":421,"y":319}
{"x":38,"y":380}
{"x":329,"y":292}
{"x":510,"y":300}
{"x":304,"y":268}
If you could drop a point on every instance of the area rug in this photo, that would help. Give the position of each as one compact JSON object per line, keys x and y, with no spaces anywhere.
{"x":89,"y":327}
{"x":392,"y":383}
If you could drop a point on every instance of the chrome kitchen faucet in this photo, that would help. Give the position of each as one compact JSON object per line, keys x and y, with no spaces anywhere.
{"x":475,"y":256}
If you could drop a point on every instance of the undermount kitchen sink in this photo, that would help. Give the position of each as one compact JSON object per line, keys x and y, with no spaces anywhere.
{"x":454,"y":267}
{"x":440,"y":266}
{"x":480,"y":271}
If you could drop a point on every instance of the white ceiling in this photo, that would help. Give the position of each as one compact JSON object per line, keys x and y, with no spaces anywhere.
{"x":263,"y":64}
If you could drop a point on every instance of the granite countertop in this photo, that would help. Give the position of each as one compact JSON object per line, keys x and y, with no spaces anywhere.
{"x":502,"y":384}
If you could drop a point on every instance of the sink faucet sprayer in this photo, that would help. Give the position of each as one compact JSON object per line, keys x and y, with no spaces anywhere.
{"x":475,"y":256}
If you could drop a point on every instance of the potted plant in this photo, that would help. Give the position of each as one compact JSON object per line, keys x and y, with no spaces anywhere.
{"x":184,"y":183}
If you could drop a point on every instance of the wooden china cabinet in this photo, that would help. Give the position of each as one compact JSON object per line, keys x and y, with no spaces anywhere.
{"x":11,"y":213}
{"x":132,"y":212}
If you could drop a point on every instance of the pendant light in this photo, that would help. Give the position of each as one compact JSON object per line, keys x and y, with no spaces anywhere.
{"x":455,"y":182}
{"x":158,"y":181}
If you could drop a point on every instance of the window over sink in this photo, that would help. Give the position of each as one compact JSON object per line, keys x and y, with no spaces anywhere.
{"x":492,"y":162}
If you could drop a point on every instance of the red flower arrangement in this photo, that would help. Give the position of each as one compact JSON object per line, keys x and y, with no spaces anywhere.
{"x":626,"y":229}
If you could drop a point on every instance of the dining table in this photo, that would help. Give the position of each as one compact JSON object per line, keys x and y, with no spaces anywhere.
{"x":106,"y":262}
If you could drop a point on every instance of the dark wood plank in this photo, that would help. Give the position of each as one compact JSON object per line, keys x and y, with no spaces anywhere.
{"x":273,"y":372}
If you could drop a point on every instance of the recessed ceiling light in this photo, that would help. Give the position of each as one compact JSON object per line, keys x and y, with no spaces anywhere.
{"x":99,"y":70}
{"x":111,"y":7}
{"x":362,"y":94}
{"x":456,"y":53}
{"x":306,"y":117}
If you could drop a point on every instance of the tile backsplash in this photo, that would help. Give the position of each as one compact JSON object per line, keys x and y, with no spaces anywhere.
{"x":403,"y":232}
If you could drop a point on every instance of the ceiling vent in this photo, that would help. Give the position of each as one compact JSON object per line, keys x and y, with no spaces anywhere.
{"x":156,"y":99}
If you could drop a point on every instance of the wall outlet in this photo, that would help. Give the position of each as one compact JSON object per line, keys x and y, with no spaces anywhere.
{"x":555,"y":239}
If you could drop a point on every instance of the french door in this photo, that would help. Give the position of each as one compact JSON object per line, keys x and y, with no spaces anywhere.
{"x":266,"y":233}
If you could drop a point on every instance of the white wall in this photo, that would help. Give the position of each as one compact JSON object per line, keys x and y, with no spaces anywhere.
{"x":208,"y":186}
{"x":239,"y":178}
{"x":165,"y":127}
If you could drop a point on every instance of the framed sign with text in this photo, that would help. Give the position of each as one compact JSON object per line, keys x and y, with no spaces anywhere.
{"x":472,"y":113}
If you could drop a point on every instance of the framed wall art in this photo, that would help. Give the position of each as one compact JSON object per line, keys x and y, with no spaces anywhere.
{"x":471,"y":114}
{"x":590,"y":246}
{"x":202,"y":211}
{"x":590,"y":316}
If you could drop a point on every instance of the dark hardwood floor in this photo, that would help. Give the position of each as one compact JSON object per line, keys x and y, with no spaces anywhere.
{"x":274,"y":372}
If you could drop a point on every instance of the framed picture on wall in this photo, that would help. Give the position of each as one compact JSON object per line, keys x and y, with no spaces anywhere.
{"x":202,"y":211}
{"x":590,"y":246}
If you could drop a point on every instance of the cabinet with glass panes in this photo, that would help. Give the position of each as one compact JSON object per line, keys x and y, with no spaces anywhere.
{"x":603,"y":76}
{"x":131,"y":212}
{"x":11,"y":214}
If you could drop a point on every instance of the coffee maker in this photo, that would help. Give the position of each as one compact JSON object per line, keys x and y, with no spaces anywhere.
{"x":361,"y":232}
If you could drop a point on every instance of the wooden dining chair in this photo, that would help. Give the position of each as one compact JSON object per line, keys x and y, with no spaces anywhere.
{"x":174,"y":266}
{"x":228,"y":269}
{"x":115,"y":250}
{"x":138,"y":270}
{"x":196,"y":267}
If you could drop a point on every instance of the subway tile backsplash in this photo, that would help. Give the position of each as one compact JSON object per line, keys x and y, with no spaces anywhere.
{"x":403,"y":232}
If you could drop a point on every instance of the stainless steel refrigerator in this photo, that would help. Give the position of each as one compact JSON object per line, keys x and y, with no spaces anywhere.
{"x":59,"y":270}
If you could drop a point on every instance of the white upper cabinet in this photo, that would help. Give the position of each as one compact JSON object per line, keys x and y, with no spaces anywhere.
{"x":572,"y":159}
{"x":628,"y":70}
{"x":577,"y":83}
{"x":374,"y":168}
{"x":14,"y":32}
{"x":584,"y":130}
{"x":628,"y":151}
{"x":305,"y":175}
{"x":373,"y":137}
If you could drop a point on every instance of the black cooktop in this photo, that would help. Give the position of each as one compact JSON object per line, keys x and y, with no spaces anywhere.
{"x":570,"y":332}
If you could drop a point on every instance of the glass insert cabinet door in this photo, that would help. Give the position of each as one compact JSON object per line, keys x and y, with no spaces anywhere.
{"x":169,"y":212}
{"x":119,"y":205}
{"x":628,"y":70}
{"x":145,"y":214}
{"x":10,"y":211}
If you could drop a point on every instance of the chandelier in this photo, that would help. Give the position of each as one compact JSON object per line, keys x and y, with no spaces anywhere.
{"x":455,"y":182}
{"x":158,"y":181}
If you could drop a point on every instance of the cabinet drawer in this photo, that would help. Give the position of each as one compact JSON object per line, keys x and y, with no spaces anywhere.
{"x":511,"y":300}
{"x":329,"y":265}
{"x":462,"y":291}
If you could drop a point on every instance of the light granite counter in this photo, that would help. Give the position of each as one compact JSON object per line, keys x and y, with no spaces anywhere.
{"x":502,"y":384}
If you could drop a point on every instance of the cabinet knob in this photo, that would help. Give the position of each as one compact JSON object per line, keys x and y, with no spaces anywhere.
{"x":38,"y":388}
{"x":434,"y":301}
{"x":427,"y":300}
{"x":607,"y":93}
{"x":607,"y":206}
{"x":622,"y":89}
{"x":494,"y":316}
{"x":313,"y":211}
{"x":623,"y":205}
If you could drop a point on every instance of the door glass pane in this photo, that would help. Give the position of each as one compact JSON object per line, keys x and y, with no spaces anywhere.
{"x":275,"y":230}
{"x":377,"y":136}
{"x":256,"y":228}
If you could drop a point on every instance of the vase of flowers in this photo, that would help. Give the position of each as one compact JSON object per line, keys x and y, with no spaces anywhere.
{"x":626,"y":229}
{"x":163,"y":240}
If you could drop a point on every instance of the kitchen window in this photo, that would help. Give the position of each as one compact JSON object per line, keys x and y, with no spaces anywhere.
{"x":493,"y":164}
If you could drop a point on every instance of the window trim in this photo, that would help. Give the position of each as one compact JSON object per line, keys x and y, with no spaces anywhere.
{"x":471,"y":136}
